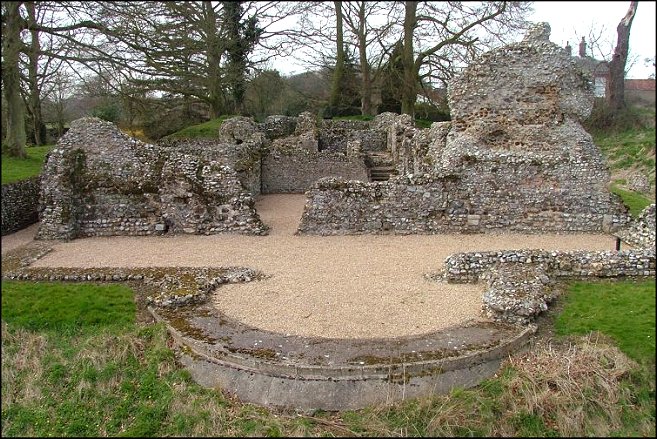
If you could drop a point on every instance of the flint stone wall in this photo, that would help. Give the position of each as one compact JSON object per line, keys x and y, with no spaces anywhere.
{"x":296,"y":171}
{"x":335,"y":135}
{"x":245,"y":158}
{"x":641,"y":233}
{"x":20,"y":202}
{"x":520,"y":282}
{"x":431,"y":204}
{"x":100,"y":182}
{"x":514,"y":156}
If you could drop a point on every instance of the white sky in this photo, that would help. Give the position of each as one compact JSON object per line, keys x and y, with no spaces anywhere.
{"x":569,"y":21}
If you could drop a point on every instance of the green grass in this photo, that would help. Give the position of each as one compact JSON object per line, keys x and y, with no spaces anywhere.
{"x":423,"y":123}
{"x":634,"y":201}
{"x":361,"y":117}
{"x":66,"y":307}
{"x":634,"y":147}
{"x":207,"y":129}
{"x":14,"y":169}
{"x":624,"y":311}
{"x":75,"y":363}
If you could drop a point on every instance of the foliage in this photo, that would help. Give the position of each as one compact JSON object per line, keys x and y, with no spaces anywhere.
{"x":207,"y":129}
{"x":107,"y":379}
{"x":107,"y":111}
{"x":423,"y":123}
{"x":265,"y":95}
{"x":345,"y":96}
{"x":427,"y":111}
{"x":604,"y":120}
{"x":391,"y":75}
{"x":15,"y":169}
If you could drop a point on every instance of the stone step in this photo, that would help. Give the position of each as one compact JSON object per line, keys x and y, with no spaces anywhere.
{"x":382,"y":173}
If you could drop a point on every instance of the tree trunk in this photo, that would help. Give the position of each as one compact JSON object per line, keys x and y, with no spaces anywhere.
{"x":409,"y":80}
{"x":34,"y":98}
{"x":616,"y":98}
{"x":214,"y":49}
{"x":366,"y":84}
{"x":14,"y":144}
{"x":338,"y":74}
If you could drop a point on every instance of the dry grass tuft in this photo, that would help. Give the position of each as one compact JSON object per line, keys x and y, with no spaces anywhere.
{"x":575,"y":388}
{"x":22,"y":356}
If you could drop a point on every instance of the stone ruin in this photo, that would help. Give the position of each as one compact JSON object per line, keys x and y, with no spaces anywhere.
{"x":514,"y":157}
{"x":100,"y":182}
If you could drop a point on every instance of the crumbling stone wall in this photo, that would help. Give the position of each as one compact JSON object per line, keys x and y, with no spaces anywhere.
{"x":335,"y":135}
{"x":520,"y":283}
{"x":437,"y":203}
{"x":239,"y":144}
{"x":295,"y":162}
{"x":641,"y":232}
{"x":515,"y":152}
{"x":295,"y":171}
{"x":101,"y":182}
{"x":20,"y":202}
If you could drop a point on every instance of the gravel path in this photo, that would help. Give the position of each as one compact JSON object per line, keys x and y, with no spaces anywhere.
{"x":336,"y":286}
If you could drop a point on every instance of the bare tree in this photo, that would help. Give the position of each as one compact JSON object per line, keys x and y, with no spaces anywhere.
{"x":370,"y":23}
{"x":337,"y":85}
{"x":616,"y":98}
{"x":12,"y":45}
{"x":457,"y":31}
{"x":18,"y":17}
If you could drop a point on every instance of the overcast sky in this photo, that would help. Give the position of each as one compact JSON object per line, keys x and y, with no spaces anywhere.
{"x":570,"y":20}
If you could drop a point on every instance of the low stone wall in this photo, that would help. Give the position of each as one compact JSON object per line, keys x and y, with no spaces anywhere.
{"x":469,"y":267}
{"x":520,"y":281}
{"x":20,"y":204}
{"x":295,"y":171}
{"x":442,"y":203}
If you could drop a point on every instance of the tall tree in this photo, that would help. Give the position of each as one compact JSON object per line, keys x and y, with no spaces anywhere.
{"x":616,"y":99}
{"x":18,"y":17}
{"x":457,"y":31}
{"x":12,"y":25}
{"x":34,"y":96}
{"x":202,"y":51}
{"x":369,"y":23}
{"x":337,"y":84}
{"x":241,"y":36}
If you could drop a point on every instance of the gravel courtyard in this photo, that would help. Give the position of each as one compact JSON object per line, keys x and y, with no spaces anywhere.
{"x":338,"y":286}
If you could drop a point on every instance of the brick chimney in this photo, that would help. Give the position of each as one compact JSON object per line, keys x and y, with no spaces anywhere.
{"x":569,"y":49}
{"x":582,"y":48}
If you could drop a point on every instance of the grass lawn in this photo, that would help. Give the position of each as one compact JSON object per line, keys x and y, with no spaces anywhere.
{"x":75,"y":363}
{"x":630,"y":148}
{"x":207,"y":129}
{"x":624,"y":311}
{"x":14,"y":169}
{"x":634,"y":201}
